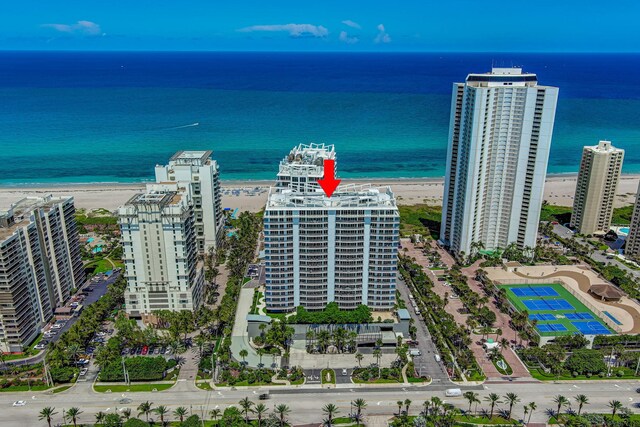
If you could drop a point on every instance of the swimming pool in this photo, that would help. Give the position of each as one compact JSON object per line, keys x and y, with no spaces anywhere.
{"x":624,"y":230}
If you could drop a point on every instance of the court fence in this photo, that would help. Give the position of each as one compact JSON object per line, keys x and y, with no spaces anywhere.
{"x":606,"y":319}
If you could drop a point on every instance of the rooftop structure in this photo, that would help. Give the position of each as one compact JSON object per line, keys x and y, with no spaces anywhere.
{"x":303,"y":166}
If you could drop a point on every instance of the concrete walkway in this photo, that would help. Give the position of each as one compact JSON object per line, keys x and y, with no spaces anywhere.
{"x":239,"y":335}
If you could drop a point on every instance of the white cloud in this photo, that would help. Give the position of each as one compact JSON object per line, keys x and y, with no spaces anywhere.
{"x":383,"y":36}
{"x":350,"y":23}
{"x":86,"y":28}
{"x":294,"y":30}
{"x":344,"y":37}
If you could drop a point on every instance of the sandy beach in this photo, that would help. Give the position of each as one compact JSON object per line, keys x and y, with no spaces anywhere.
{"x":251,"y":195}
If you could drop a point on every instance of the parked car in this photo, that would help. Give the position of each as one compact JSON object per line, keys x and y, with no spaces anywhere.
{"x":156,"y":351}
{"x":145,"y":350}
{"x":83,"y":372}
{"x":19,"y":403}
{"x":344,"y":372}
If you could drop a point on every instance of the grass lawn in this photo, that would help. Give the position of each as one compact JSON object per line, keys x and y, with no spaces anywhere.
{"x":131,"y":388}
{"x":100,"y":266}
{"x":61,"y":389}
{"x":25,"y":388}
{"x":376,"y":381}
{"x":484,"y":420}
{"x":561,"y":214}
{"x":257,"y":297}
{"x":507,"y":371}
{"x":332,"y":376}
{"x":297,"y":382}
{"x":475,"y":375}
{"x":277,"y":316}
{"x":618,"y":418}
{"x":204,"y":386}
{"x":622,"y":216}
{"x":420,"y":219}
{"x":558,"y":315}
{"x":543,"y":376}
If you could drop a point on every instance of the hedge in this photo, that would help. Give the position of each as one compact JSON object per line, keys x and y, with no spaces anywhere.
{"x":139,"y":368}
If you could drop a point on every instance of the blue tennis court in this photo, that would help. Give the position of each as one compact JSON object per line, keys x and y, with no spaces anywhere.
{"x":538,"y":291}
{"x":579,"y":316}
{"x":544,"y":305}
{"x":591,"y":328}
{"x":545,"y":316}
{"x":551,"y":327}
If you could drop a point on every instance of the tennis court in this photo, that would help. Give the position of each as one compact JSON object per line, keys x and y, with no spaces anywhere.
{"x":554,"y":310}
{"x":541,"y":291}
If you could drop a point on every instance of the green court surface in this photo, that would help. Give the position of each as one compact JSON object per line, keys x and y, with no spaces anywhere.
{"x":555,"y":310}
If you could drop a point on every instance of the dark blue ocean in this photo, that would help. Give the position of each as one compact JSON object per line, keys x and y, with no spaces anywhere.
{"x":96,"y":117}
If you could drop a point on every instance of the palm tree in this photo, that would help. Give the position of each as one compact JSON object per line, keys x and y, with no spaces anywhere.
{"x":126,"y":413}
{"x":407,"y":404}
{"x":215,"y":413}
{"x":511,"y":399}
{"x":359,"y":357}
{"x":493,"y":399}
{"x":399,"y":403}
{"x":561,"y":401}
{"x":180,"y":412}
{"x":436,"y":403}
{"x":161,"y":411}
{"x":581,"y":400}
{"x":73,"y":414}
{"x":282,"y":410}
{"x":359,"y":404}
{"x":377,"y":353}
{"x":615,"y":406}
{"x":145,"y":408}
{"x":246,"y":406}
{"x":532,"y":407}
{"x":260,"y":410}
{"x":330,"y":410}
{"x":100,"y":417}
{"x":472,"y":398}
{"x":243,"y":353}
{"x":46,"y":414}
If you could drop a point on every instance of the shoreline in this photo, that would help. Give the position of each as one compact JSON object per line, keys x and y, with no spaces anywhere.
{"x":251,"y":194}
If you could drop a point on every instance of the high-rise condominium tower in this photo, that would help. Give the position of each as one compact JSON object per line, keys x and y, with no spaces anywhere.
{"x":160,"y":251}
{"x":304,"y":166}
{"x":319,"y":249}
{"x":596,"y":188}
{"x":39,"y":265}
{"x":499,"y":138}
{"x":632,"y":247}
{"x":198,"y":173}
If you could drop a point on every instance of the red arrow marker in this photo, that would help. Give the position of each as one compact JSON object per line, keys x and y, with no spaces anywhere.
{"x":329,"y":183}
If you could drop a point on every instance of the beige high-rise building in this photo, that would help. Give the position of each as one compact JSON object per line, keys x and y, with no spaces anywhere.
{"x":596,"y":188}
{"x":632,"y":248}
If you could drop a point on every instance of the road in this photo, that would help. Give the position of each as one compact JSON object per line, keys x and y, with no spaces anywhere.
{"x":98,"y":292}
{"x":306,"y":402}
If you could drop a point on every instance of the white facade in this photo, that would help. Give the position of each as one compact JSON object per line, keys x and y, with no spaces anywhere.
{"x":39,"y":265}
{"x":160,"y":251}
{"x":196,"y":171}
{"x":596,"y":186}
{"x":499,"y":139}
{"x":320,"y":249}
{"x":632,"y":246}
{"x":304,"y":166}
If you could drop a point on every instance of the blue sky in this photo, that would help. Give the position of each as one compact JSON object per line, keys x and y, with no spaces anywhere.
{"x":403,"y":25}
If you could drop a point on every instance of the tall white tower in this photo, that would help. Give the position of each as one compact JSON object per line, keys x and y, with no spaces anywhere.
{"x":499,"y":139}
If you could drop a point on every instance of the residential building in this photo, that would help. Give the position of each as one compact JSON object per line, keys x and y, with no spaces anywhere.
{"x":160,"y":253}
{"x":320,"y":249}
{"x":632,"y":246}
{"x":40,"y":263}
{"x":301,"y":169}
{"x":499,"y":138}
{"x":196,"y":171}
{"x":598,"y":178}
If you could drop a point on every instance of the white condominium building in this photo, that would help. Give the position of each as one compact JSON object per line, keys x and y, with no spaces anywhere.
{"x":196,"y":171}
{"x":600,"y":170}
{"x":159,"y":251}
{"x":39,"y":265}
{"x":632,"y":246}
{"x":319,"y":249}
{"x":304,"y":166}
{"x":499,"y":138}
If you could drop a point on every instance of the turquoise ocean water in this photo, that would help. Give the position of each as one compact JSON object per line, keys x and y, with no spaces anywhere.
{"x":82,"y":117}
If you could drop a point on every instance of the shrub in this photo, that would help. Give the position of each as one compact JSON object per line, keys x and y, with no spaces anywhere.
{"x":62,"y":374}
{"x":584,"y":361}
{"x":139,"y":369}
{"x":135,"y":422}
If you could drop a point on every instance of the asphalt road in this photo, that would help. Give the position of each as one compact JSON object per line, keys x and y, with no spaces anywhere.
{"x":306,"y":402}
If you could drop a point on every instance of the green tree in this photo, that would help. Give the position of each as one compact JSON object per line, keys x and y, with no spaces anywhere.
{"x":126,"y":413}
{"x":100,"y":417}
{"x":359,"y":356}
{"x":532,"y":407}
{"x":511,"y":399}
{"x":246,"y":406}
{"x":472,"y":398}
{"x":493,"y":399}
{"x":180,"y":412}
{"x":46,"y":414}
{"x":214,"y":414}
{"x":561,"y":401}
{"x":145,"y":408}
{"x":162,"y":411}
{"x":407,"y":404}
{"x":244,"y":353}
{"x":282,"y":411}
{"x":73,"y":414}
{"x":615,"y":406}
{"x":581,"y":400}
{"x":360,"y":405}
{"x":260,"y":410}
{"x":330,"y":410}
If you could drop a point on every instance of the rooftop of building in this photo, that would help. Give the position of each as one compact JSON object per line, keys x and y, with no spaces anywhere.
{"x":604,"y":147}
{"x":345,"y":196}
{"x":310,"y":154}
{"x":163,"y":198}
{"x":19,"y":213}
{"x":502,"y":75}
{"x":200,"y":157}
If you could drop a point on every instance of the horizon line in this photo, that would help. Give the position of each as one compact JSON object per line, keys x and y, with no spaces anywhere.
{"x":559,"y":52}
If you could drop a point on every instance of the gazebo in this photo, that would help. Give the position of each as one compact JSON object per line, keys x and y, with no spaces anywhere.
{"x":606,"y":292}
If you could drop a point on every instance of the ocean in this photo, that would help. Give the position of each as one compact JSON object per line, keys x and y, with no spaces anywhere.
{"x":86,"y":117}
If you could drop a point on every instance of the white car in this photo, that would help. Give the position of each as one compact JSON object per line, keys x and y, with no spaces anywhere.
{"x":19,"y":403}
{"x":84,"y":371}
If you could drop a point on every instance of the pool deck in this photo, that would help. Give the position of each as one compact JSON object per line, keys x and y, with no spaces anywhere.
{"x":579,"y":278}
